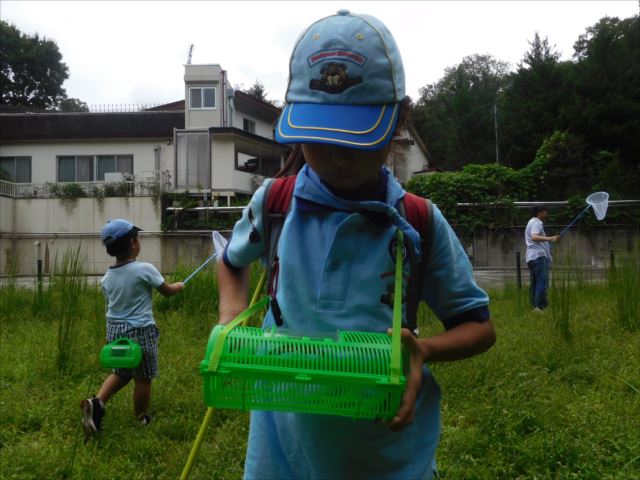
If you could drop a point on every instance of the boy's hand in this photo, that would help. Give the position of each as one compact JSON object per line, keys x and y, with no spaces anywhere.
{"x":554,"y":239}
{"x":170,"y":289}
{"x":407,"y":409}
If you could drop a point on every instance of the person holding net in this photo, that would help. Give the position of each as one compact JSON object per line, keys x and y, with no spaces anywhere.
{"x":538,"y":257}
{"x":337,"y":250}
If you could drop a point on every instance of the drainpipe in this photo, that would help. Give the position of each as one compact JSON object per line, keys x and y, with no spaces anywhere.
{"x":223,"y":96}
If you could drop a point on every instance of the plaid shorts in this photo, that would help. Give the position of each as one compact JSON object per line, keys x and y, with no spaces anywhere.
{"x":147,"y":338}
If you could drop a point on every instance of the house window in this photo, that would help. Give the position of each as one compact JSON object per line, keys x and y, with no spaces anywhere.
{"x":248,"y":125}
{"x":87,"y":168}
{"x":193,"y":160}
{"x":202,"y":97}
{"x":17,"y":169}
{"x":113,"y":163}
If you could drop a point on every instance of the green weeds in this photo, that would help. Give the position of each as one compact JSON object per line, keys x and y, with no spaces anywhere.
{"x":534,"y":406}
{"x":624,"y":285}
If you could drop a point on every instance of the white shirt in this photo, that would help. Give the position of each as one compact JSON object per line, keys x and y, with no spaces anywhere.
{"x":536,"y":249}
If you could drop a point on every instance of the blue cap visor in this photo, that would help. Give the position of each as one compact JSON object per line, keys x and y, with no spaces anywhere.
{"x":365,"y":127}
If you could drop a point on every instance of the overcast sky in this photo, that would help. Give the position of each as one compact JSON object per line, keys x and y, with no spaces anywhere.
{"x":134,"y":52}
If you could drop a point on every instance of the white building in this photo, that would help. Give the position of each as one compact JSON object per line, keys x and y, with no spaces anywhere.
{"x":65,"y":174}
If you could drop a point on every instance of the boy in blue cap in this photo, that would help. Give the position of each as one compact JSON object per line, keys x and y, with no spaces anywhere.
{"x":127,"y":287}
{"x":345,"y":102}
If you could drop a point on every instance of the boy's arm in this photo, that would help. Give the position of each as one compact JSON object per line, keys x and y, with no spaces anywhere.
{"x":170,"y":289}
{"x":463,"y":341}
{"x":233,"y":286}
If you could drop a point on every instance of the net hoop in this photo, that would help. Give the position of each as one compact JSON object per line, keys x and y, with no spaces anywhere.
{"x":599,"y":201}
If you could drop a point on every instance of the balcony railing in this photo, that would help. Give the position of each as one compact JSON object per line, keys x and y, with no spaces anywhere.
{"x":143,"y":184}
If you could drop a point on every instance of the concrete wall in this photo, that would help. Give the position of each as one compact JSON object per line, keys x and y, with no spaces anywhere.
{"x":6,"y":214}
{"x":58,"y":224}
{"x":224,"y":176}
{"x":587,"y":246}
{"x":43,"y":155}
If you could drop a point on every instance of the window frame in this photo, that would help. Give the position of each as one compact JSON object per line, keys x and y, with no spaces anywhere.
{"x":247,"y":122}
{"x":202,"y":89}
{"x":94,"y":167}
{"x":14,"y":174}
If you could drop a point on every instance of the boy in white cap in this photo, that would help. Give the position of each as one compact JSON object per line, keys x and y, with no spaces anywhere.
{"x":127,"y":287}
{"x":345,"y":102}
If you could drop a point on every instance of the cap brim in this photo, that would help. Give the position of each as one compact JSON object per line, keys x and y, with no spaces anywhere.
{"x":365,"y":127}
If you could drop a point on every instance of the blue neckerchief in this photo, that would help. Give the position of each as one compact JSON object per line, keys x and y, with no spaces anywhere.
{"x":313,"y":195}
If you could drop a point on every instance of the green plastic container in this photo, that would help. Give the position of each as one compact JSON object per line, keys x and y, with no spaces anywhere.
{"x":121,"y":353}
{"x":347,"y":376}
{"x":354,"y":374}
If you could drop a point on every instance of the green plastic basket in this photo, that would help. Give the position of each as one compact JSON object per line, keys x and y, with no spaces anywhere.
{"x":121,"y":353}
{"x":354,"y":374}
{"x":348,"y":376}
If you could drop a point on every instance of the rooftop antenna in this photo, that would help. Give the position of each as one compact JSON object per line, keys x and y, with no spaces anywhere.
{"x":190,"y":52}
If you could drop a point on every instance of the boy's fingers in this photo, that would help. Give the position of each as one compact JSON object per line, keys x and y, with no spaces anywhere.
{"x":406,"y":411}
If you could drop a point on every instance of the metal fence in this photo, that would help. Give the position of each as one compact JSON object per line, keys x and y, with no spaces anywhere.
{"x":142,"y":184}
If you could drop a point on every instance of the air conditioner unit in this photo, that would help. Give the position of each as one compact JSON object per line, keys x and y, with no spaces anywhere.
{"x":113,"y":177}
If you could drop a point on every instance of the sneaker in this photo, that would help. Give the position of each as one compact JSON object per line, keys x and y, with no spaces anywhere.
{"x":144,"y":419}
{"x":537,"y":310}
{"x":93,"y":410}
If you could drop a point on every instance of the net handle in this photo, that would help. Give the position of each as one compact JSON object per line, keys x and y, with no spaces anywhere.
{"x":575,"y":220}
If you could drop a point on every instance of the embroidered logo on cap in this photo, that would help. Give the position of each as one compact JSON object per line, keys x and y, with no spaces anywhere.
{"x":337,"y":54}
{"x":334,"y":79}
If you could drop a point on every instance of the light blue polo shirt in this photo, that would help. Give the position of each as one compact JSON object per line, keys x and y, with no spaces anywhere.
{"x":128,"y":289}
{"x":337,"y":267}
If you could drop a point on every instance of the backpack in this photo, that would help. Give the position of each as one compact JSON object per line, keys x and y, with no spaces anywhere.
{"x":416,"y":210}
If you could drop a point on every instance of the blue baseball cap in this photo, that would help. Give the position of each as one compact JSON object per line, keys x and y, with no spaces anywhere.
{"x":115,"y":229}
{"x":346,"y":82}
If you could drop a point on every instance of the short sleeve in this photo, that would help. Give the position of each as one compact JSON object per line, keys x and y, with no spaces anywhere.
{"x":537,"y":228}
{"x":247,"y":240}
{"x":449,"y":287}
{"x":152,"y":276}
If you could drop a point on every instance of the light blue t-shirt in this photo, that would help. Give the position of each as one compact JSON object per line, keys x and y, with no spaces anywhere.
{"x":128,"y":290}
{"x":337,"y":267}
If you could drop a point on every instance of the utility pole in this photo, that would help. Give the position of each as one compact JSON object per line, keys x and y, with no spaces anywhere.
{"x":495,"y":126}
{"x":189,"y":56}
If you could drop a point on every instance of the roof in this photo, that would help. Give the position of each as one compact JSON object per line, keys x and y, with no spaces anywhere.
{"x":173,"y":106}
{"x":67,"y":126}
{"x":244,"y":102}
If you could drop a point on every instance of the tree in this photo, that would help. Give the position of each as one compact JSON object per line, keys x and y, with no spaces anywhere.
{"x":258,"y":91}
{"x":73,"y":105}
{"x":32,"y":71}
{"x":606,"y":107}
{"x":455,"y":115}
{"x":531,"y":102}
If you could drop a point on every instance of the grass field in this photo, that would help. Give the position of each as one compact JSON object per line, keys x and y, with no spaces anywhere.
{"x":557,"y":397}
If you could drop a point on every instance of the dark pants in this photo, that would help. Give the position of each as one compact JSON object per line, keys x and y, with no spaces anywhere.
{"x":538,"y":282}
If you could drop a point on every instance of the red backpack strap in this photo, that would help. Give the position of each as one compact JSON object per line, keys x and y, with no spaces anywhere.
{"x":280,"y":193}
{"x":418,"y":212}
{"x":276,"y":206}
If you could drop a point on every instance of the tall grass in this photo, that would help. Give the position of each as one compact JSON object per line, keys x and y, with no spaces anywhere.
{"x":69,"y":285}
{"x":10,"y":301}
{"x":199,"y":299}
{"x":624,"y":283}
{"x":565,"y":282}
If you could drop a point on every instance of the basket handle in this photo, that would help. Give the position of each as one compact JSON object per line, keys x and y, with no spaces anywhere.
{"x":396,"y":354}
{"x":217,"y":349}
